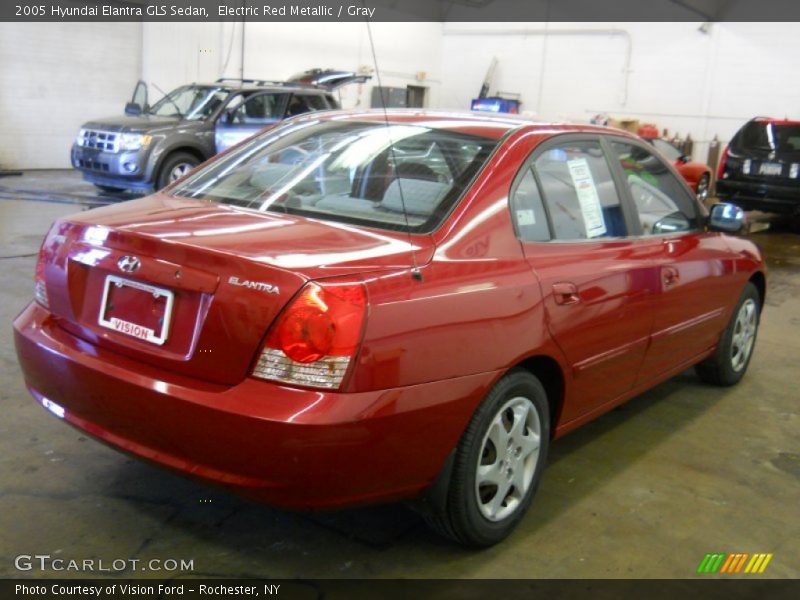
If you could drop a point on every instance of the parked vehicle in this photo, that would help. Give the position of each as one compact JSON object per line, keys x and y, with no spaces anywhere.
{"x":760,"y":168}
{"x":696,"y":174}
{"x":151,"y":146}
{"x":353,"y":308}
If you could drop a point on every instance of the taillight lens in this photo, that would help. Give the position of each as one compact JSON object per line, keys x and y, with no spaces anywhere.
{"x":39,"y":286}
{"x":722,"y":161}
{"x":316,"y":336}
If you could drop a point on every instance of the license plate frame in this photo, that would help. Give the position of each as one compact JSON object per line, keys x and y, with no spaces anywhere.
{"x":129,"y":328}
{"x":771,"y":169}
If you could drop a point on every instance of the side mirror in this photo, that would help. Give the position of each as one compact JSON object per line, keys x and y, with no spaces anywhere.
{"x":133,"y":109}
{"x":683,"y":159}
{"x":725,"y":217}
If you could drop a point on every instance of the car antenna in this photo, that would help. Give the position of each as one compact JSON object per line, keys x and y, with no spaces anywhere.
{"x":416,"y":274}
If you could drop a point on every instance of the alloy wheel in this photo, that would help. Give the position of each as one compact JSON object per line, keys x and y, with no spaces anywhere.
{"x":508,"y":458}
{"x":179,"y":171}
{"x":744,"y":334}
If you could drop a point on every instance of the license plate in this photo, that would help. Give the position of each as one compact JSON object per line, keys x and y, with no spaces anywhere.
{"x":136,"y":309}
{"x":768,"y":168}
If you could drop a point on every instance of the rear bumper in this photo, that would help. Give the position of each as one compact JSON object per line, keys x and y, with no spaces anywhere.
{"x":760,"y":196}
{"x":284,"y":446}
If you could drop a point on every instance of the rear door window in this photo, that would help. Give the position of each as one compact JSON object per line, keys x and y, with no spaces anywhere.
{"x":259,"y":109}
{"x":303,"y":103}
{"x":579,"y":192}
{"x":662,"y":202}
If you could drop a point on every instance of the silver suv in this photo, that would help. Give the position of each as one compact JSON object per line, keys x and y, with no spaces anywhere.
{"x":152,"y":146}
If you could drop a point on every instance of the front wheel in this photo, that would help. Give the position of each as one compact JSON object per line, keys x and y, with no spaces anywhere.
{"x":175,"y":166}
{"x":498,"y":463}
{"x":728,"y":364}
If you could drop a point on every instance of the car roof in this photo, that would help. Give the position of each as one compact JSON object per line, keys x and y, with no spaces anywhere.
{"x":775,"y":121}
{"x":266,"y":86}
{"x":493,"y":126}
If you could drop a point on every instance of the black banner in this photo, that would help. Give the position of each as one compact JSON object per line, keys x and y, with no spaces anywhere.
{"x":405,"y":10}
{"x":353,"y":589}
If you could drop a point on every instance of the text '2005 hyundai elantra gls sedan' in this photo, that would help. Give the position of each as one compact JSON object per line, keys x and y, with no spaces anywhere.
{"x":354,"y":308}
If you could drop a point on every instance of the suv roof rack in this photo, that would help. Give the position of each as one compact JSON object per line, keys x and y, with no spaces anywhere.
{"x":266,"y":82}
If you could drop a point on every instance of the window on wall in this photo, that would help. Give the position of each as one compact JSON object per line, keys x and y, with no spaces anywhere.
{"x":579,"y":192}
{"x":527,"y":210}
{"x":662,"y":202}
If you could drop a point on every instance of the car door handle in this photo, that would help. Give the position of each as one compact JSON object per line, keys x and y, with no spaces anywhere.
{"x":566,"y":293}
{"x":670,"y":276}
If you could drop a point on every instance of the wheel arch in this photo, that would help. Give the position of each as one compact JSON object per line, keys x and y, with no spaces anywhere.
{"x":188,"y":149}
{"x":547,"y":370}
{"x":760,"y":281}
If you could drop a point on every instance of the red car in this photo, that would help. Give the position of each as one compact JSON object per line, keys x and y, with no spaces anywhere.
{"x":354,"y":308}
{"x":696,"y":174}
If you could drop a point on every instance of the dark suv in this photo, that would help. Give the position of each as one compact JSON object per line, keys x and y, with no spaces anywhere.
{"x":760,"y":168}
{"x":152,"y":146}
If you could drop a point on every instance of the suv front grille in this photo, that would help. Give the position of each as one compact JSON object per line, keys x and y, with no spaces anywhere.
{"x":102,"y":140}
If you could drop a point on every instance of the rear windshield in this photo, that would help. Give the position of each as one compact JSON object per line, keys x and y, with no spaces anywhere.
{"x":395,"y":176}
{"x":771,"y":137}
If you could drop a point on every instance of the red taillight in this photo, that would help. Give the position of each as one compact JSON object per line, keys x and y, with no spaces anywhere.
{"x":722,"y":160}
{"x":316,"y":336}
{"x":39,"y":286}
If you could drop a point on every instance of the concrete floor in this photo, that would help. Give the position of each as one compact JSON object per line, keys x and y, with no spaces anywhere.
{"x":644,"y":491}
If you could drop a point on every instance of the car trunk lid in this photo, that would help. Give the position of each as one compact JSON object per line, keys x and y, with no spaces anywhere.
{"x":192,"y":286}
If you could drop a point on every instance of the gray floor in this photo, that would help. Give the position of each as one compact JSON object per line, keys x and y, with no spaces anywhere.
{"x":644,"y":491}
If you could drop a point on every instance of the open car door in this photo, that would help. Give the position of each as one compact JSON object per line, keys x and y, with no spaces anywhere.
{"x":138,"y":103}
{"x":329,"y":79}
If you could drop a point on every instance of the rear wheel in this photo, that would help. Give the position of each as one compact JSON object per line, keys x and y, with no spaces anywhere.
{"x":498,"y":463}
{"x":175,"y":166}
{"x":728,"y":364}
{"x":702,"y":187}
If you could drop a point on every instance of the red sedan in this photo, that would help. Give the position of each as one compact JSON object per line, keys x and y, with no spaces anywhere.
{"x":364,"y":307}
{"x":696,"y":174}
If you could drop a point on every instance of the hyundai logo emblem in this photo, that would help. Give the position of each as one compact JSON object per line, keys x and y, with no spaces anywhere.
{"x":128,"y":264}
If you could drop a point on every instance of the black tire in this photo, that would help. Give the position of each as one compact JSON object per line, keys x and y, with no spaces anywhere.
{"x":174,"y":162}
{"x":703,"y":188}
{"x":727,"y":366}
{"x":463,"y":517}
{"x":109,"y":189}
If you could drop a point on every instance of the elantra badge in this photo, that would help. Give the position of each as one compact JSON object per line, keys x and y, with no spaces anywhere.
{"x":255,"y":285}
{"x":128,"y":264}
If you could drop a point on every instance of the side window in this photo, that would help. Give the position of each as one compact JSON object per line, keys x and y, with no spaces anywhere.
{"x":662,"y":202}
{"x":258,"y":109}
{"x":303,"y":103}
{"x":316,"y":102}
{"x":579,"y":192}
{"x":527,"y":211}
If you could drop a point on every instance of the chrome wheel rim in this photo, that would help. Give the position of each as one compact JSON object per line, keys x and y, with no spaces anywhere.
{"x":744,"y":334}
{"x":702,"y":189}
{"x":508,"y":458}
{"x":179,"y":171}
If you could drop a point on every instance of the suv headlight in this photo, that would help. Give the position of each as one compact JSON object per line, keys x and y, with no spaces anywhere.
{"x":133,"y":141}
{"x":81,"y":134}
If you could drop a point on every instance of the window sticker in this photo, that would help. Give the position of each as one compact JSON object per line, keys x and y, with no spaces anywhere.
{"x":526,"y":217}
{"x":591,"y":209}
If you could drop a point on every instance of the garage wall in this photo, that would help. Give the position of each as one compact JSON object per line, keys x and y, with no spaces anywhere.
{"x":55,"y":76}
{"x":205,"y":51}
{"x":671,"y":74}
